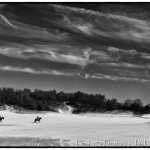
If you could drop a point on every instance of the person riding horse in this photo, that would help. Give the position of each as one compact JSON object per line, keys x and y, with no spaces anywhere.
{"x":1,"y":118}
{"x":37,"y":119}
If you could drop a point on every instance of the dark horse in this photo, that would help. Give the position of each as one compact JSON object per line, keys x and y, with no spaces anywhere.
{"x":37,"y":119}
{"x":1,"y":118}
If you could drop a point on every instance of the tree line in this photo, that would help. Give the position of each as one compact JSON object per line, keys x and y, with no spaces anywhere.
{"x":81,"y":102}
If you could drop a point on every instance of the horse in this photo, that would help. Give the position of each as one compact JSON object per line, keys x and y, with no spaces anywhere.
{"x":37,"y":119}
{"x":1,"y":118}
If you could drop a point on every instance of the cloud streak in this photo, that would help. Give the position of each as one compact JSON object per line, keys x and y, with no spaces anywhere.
{"x":33,"y":71}
{"x":116,"y":78}
{"x":2,"y":18}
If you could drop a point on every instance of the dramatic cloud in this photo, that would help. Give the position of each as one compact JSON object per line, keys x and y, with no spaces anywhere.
{"x":70,"y":41}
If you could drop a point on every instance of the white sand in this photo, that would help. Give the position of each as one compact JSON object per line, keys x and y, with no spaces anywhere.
{"x":120,"y":127}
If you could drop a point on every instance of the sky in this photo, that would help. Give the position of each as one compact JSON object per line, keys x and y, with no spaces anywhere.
{"x":92,"y":47}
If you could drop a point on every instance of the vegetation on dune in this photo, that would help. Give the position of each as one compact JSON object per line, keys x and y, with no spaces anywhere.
{"x":81,"y":102}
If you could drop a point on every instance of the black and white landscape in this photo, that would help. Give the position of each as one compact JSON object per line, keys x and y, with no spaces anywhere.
{"x":82,"y":68}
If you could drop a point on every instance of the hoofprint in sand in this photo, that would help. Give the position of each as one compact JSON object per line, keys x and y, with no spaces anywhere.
{"x":105,"y":129}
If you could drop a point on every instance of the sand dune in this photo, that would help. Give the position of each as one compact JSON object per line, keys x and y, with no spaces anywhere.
{"x":120,"y":127}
